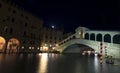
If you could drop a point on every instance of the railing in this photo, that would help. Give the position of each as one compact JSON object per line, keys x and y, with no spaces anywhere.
{"x":67,"y":39}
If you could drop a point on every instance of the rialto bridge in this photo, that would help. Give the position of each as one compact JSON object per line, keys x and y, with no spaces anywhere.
{"x":92,"y":38}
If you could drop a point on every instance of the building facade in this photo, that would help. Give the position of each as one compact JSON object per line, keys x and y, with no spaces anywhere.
{"x":50,"y":39}
{"x":19,"y":30}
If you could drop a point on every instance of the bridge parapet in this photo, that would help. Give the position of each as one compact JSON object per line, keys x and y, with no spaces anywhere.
{"x":67,"y":39}
{"x":106,"y":36}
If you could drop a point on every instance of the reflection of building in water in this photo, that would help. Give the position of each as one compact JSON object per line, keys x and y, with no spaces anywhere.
{"x":21,"y":25}
{"x":1,"y":58}
{"x":43,"y":63}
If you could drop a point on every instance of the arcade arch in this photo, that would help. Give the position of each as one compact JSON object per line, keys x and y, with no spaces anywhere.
{"x":92,"y":36}
{"x":107,"y":38}
{"x":13,"y":45}
{"x":87,"y":36}
{"x":99,"y":37}
{"x":116,"y":39}
{"x":2,"y":43}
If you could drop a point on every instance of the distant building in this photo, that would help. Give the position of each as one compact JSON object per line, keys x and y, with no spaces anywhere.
{"x":49,"y":39}
{"x":19,"y":30}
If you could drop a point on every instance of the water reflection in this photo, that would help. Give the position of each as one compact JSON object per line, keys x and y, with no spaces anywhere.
{"x":53,"y":63}
{"x":0,"y":58}
{"x":79,"y":67}
{"x":43,"y":63}
{"x":96,"y":61}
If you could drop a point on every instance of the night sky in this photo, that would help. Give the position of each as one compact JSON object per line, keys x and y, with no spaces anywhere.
{"x":104,"y":15}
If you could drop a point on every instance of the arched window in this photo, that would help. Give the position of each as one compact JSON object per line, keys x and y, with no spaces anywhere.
{"x":107,"y":38}
{"x":5,"y":29}
{"x":99,"y":37}
{"x":11,"y":30}
{"x":86,"y":36}
{"x":116,"y":39}
{"x":73,"y":37}
{"x":92,"y":36}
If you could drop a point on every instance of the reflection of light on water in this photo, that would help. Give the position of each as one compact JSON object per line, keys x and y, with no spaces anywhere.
{"x":96,"y":63}
{"x":79,"y":67}
{"x":96,"y":60}
{"x":1,"y":58}
{"x":96,"y":54}
{"x":43,"y":63}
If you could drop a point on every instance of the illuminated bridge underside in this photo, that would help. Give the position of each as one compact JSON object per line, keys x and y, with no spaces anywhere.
{"x":113,"y":50}
{"x":77,"y":48}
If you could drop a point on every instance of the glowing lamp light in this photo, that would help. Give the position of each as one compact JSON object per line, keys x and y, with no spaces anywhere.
{"x":53,"y":48}
{"x":79,"y":32}
{"x":38,"y":48}
{"x":96,"y":54}
{"x":89,"y":52}
{"x":32,"y":47}
{"x":29,"y":47}
{"x":57,"y":45}
{"x":83,"y":53}
{"x":45,"y":48}
{"x":22,"y":47}
{"x":50,"y":45}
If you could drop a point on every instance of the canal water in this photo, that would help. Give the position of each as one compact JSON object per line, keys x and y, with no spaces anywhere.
{"x":54,"y":63}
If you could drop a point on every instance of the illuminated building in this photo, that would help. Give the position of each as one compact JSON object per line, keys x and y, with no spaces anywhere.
{"x":50,"y":38}
{"x":19,"y":30}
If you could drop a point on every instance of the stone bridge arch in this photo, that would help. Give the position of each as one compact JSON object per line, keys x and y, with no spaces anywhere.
{"x":77,"y":48}
{"x":112,"y":49}
{"x":80,"y":41}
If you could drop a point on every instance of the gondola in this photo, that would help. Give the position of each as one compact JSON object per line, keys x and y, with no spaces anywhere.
{"x":109,"y":61}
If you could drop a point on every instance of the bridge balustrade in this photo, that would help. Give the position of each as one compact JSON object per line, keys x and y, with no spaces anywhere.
{"x":67,"y":39}
{"x":105,"y":36}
